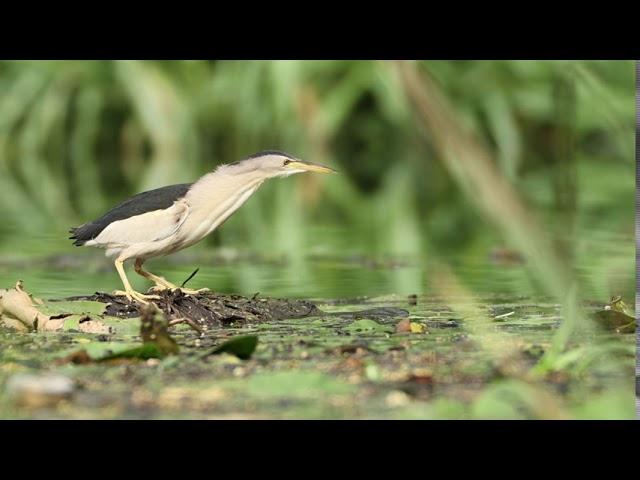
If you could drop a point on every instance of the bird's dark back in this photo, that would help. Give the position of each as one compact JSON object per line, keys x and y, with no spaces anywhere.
{"x":144,"y":202}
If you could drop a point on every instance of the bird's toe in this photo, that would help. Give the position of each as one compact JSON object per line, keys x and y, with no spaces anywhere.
{"x":142,"y":296}
{"x":133,"y":295}
{"x":122,"y":293}
{"x":190,"y":291}
{"x":158,"y":288}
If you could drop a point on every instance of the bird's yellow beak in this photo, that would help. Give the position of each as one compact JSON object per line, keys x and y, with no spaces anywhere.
{"x":310,"y":167}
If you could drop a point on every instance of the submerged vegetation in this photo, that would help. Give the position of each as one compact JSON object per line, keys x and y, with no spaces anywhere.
{"x":498,"y":193}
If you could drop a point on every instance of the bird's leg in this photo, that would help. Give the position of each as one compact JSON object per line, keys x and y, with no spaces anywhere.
{"x":161,"y":282}
{"x":129,"y":292}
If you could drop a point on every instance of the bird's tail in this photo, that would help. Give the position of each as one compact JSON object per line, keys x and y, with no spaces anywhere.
{"x":77,"y":235}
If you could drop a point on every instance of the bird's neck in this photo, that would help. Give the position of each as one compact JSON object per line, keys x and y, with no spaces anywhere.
{"x":216,"y":196}
{"x":216,"y":187}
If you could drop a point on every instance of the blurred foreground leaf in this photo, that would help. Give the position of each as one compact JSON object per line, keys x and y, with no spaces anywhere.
{"x":154,"y":331}
{"x":156,"y":342}
{"x":144,"y":352}
{"x":295,"y":385}
{"x":101,"y":352}
{"x":242,"y":347}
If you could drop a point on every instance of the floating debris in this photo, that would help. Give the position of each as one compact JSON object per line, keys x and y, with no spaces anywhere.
{"x":617,"y":316}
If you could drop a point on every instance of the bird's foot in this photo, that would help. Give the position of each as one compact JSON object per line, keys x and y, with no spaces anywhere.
{"x":133,"y":295}
{"x":186,"y":291}
{"x":158,"y":288}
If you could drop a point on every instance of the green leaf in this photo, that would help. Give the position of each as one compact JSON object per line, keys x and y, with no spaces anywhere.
{"x":242,"y":347}
{"x":79,"y":307}
{"x":144,"y":352}
{"x":368,"y":326}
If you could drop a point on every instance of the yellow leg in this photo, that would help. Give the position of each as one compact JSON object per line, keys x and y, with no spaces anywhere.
{"x":129,"y":292}
{"x":161,"y":282}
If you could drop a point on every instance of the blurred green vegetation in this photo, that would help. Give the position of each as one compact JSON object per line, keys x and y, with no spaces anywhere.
{"x":77,"y":137}
{"x":459,"y":178}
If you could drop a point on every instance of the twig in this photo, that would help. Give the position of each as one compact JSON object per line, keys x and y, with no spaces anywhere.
{"x":188,"y":321}
{"x":190,"y":277}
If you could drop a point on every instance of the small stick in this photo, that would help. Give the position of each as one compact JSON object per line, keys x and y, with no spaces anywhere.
{"x":188,"y":321}
{"x":190,"y":277}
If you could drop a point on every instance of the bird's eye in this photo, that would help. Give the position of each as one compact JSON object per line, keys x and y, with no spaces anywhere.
{"x":287,"y":162}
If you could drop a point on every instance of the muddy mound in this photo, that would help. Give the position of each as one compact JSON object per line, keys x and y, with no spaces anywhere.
{"x":210,"y":308}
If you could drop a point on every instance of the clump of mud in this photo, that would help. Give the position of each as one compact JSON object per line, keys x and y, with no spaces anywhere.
{"x":212,"y":309}
{"x":217,"y":309}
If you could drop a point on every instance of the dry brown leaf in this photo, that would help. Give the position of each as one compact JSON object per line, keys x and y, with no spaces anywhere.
{"x":403,"y":326}
{"x":18,"y":311}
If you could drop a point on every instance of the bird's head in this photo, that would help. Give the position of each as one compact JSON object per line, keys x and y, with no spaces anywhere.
{"x":273,"y":164}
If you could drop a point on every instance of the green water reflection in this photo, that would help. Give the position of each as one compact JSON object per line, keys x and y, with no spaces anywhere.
{"x":605,"y":268}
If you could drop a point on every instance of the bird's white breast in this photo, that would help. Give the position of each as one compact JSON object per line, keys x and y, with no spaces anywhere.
{"x":212,"y":200}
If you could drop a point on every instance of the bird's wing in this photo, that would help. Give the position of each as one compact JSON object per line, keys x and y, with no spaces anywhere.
{"x":152,"y":200}
{"x":151,"y":226}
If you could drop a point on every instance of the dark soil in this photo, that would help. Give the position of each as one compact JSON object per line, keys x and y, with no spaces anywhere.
{"x":216,"y":310}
